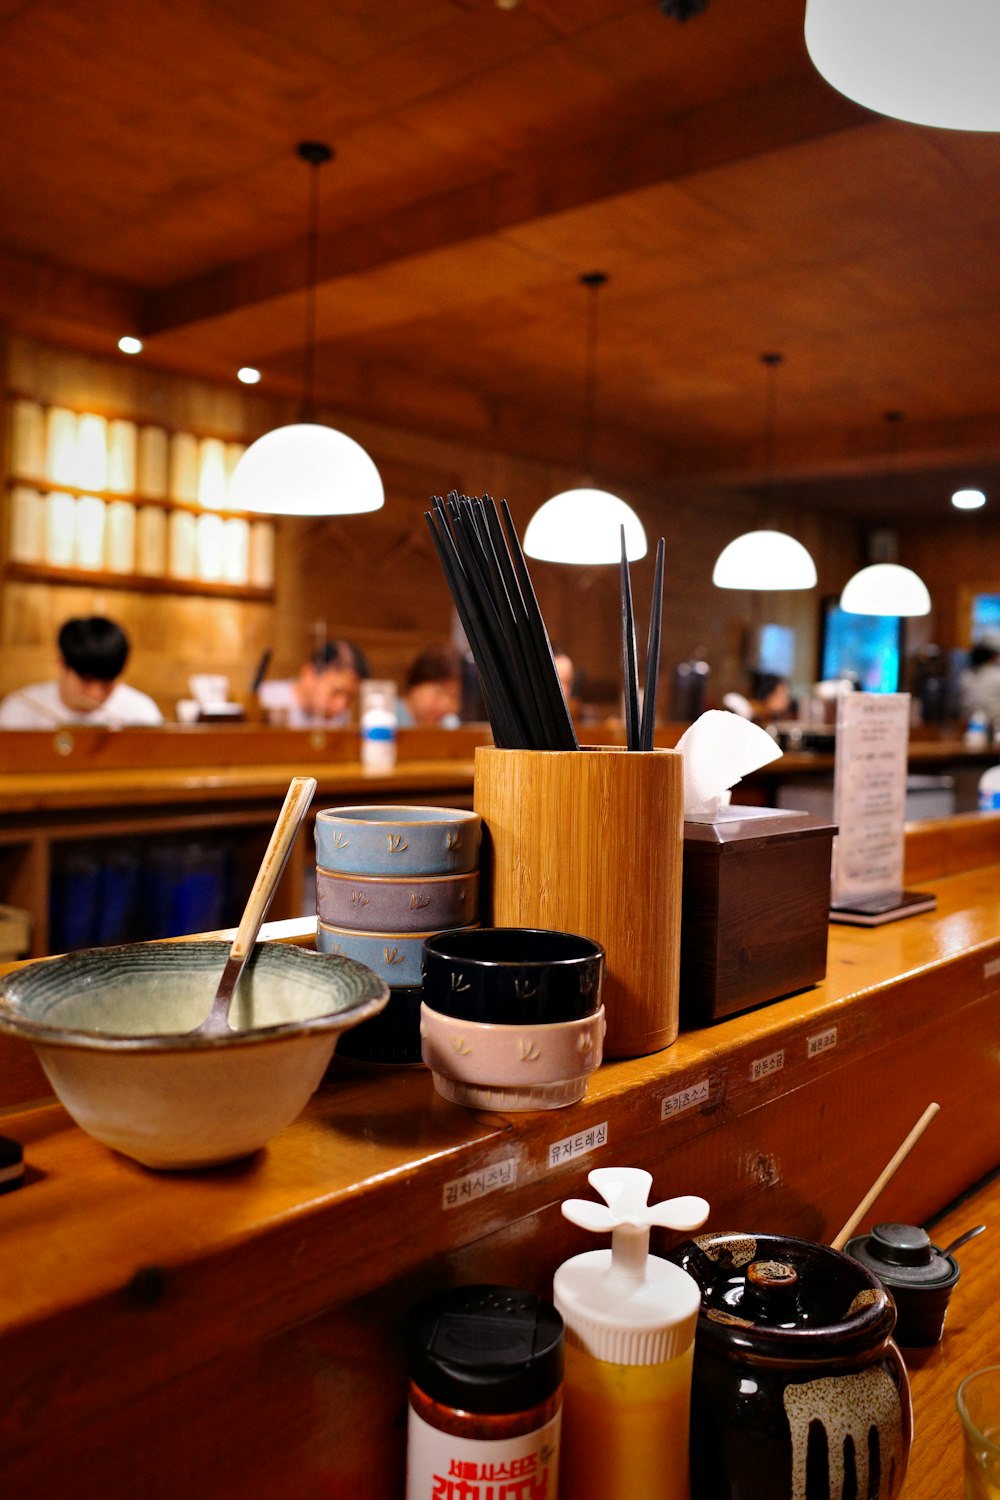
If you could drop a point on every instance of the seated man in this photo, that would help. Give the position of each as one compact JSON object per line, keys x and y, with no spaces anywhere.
{"x":87,"y":690}
{"x":325,"y":692}
{"x":432,"y":693}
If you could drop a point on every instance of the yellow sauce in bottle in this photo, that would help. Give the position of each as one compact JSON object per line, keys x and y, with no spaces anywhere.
{"x":625,"y":1428}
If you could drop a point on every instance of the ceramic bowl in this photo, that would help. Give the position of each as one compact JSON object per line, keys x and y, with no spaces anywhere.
{"x":397,"y":840}
{"x":394,"y":956}
{"x":109,"y":1027}
{"x":513,"y":975}
{"x":378,"y":903}
{"x":511,"y":1067}
{"x":393,"y":1036}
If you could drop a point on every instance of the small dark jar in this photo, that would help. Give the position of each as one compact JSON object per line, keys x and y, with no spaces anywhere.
{"x":799,"y":1392}
{"x":920,"y":1277}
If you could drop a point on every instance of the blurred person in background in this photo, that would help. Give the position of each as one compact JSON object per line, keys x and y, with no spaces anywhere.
{"x":432,"y":692}
{"x":979,"y":684}
{"x":325,"y":692}
{"x":92,"y":652}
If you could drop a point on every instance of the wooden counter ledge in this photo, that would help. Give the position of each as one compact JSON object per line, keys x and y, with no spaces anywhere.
{"x":236,"y":1332}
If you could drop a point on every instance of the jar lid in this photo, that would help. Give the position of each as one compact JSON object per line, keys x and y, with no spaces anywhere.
{"x":902,"y":1255}
{"x":486,"y":1349}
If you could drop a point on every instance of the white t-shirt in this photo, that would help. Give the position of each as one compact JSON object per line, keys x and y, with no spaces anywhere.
{"x":40,"y":707}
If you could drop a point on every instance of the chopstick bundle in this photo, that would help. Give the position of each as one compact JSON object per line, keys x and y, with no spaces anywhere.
{"x":492,"y":591}
{"x":639,"y":727}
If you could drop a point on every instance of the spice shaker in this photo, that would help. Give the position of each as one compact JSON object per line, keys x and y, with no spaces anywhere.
{"x":630,"y":1327}
{"x":486,"y":1369}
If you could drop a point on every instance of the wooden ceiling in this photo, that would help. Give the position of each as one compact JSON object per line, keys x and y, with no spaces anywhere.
{"x":485,"y":158}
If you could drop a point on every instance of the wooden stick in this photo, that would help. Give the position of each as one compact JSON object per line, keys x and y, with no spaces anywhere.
{"x":873,"y":1192}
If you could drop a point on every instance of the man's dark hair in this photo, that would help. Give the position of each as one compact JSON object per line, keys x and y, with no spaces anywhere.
{"x":94,"y":647}
{"x":342,"y":654}
{"x":981,"y":653}
{"x":436,"y":664}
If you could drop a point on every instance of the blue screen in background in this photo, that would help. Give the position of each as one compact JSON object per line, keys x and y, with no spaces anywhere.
{"x":985,"y":617}
{"x":867,"y":646}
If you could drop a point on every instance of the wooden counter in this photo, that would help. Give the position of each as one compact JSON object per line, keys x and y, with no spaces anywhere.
{"x":236,"y":1333}
{"x":86,"y":790}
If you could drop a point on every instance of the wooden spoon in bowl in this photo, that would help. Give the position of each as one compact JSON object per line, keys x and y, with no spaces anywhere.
{"x":293,"y":810}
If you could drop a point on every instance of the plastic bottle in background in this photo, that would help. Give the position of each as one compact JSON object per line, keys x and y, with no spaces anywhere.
{"x":989,"y":790}
{"x":486,"y":1365}
{"x":630,"y":1324}
{"x":378,"y":725}
{"x":977,"y":732}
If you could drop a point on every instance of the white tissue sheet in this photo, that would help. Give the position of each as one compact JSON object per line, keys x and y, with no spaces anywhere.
{"x":719,"y":749}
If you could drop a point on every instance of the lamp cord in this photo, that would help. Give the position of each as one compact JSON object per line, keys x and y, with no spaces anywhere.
{"x":770,"y":363}
{"x":315,"y":153}
{"x":593,"y":281}
{"x":312,"y":258}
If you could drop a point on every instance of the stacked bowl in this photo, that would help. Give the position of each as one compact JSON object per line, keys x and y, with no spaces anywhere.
{"x":387,"y":878}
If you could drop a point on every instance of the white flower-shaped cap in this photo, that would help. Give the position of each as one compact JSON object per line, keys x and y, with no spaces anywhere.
{"x":623,"y":1305}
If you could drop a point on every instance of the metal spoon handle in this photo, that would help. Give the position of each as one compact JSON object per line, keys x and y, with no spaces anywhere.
{"x":963,"y":1239}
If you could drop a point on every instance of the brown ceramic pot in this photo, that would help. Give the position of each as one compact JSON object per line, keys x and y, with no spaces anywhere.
{"x":799,"y":1390}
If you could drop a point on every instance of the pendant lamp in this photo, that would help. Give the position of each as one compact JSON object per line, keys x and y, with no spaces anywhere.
{"x":931,"y":62}
{"x":765,"y":560}
{"x":584,"y":525}
{"x":886,"y":588}
{"x":307,"y":468}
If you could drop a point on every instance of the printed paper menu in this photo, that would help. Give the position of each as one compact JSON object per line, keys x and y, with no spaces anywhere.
{"x":873,"y":731}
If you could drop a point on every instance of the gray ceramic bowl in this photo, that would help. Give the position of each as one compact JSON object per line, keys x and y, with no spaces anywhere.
{"x":397,"y":840}
{"x":108,"y":1026}
{"x":394,"y":956}
{"x":377,"y":903}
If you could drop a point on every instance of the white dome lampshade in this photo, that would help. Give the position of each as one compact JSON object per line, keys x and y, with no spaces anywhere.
{"x":765,"y":560}
{"x":931,"y":62}
{"x":306,"y":469}
{"x":885,"y":589}
{"x":584,"y":526}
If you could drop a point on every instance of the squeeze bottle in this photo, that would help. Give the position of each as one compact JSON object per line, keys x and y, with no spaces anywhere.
{"x":989,"y":790}
{"x":378,"y":725}
{"x":629,"y":1345}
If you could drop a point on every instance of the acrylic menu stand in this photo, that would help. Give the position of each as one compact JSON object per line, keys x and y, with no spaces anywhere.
{"x":870,"y":810}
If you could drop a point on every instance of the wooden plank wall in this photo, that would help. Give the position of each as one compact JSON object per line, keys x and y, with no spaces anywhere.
{"x":375,"y":577}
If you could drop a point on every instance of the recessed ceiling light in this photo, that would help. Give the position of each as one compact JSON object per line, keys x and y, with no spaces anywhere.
{"x":130,"y":345}
{"x":248,"y":375}
{"x":968,"y":499}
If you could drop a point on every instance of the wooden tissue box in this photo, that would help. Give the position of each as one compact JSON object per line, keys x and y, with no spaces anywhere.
{"x":755,"y":909}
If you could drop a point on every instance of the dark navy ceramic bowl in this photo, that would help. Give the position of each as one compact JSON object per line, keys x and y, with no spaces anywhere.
{"x":512,"y":975}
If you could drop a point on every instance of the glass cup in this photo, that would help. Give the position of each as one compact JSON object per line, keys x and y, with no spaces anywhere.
{"x":978,"y":1402}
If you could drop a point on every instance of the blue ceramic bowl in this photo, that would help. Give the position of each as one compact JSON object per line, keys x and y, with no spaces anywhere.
{"x":397,"y":841}
{"x":377,"y":903}
{"x":393,"y":956}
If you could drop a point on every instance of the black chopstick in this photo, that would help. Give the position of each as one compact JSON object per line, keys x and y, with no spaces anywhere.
{"x":630,"y":670}
{"x":540,"y":644}
{"x":508,"y":730}
{"x":648,"y":724}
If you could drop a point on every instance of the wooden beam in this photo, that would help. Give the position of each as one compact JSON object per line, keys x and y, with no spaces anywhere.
{"x":754,"y":122}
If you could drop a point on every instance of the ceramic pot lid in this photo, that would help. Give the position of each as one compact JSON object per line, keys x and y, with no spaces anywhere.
{"x":902,"y":1255}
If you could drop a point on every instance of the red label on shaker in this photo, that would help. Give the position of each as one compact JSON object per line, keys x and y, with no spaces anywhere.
{"x":440,"y":1466}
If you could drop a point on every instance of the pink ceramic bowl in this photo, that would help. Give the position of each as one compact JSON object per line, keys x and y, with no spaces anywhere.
{"x":511,"y":1067}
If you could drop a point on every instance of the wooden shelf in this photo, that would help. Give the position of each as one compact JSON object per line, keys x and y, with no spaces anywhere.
{"x":136,"y":582}
{"x":161,"y":502}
